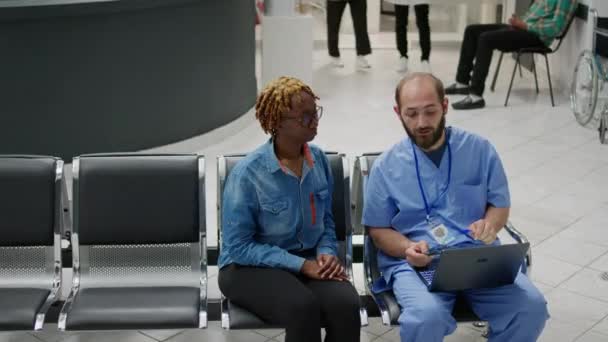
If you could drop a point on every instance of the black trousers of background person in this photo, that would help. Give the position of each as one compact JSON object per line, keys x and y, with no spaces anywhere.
{"x":479,"y":42}
{"x":424,"y":30}
{"x":358,"y":11}
{"x":296,"y":302}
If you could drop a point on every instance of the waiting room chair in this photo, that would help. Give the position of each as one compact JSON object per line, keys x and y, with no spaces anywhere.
{"x":541,"y":50}
{"x":138,"y":243}
{"x":235,"y":317}
{"x":386,"y":301}
{"x":30,"y":246}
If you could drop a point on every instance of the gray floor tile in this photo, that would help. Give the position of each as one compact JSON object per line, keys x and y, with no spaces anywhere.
{"x":602,"y":326}
{"x":561,"y":248}
{"x":17,"y":337}
{"x":270,"y":333}
{"x":51,"y":334}
{"x":216,"y":334}
{"x":557,"y":330}
{"x":588,"y":283}
{"x":108,"y":336}
{"x":576,"y":309}
{"x":375,"y":327}
{"x":592,"y":336}
{"x":552,"y":271}
{"x":160,"y":335}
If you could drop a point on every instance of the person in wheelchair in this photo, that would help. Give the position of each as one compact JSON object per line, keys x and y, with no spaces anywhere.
{"x":278,"y":254}
{"x":442,"y":187}
{"x":544,"y":20}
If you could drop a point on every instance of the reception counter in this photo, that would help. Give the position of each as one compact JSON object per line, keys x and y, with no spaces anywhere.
{"x":108,"y":76}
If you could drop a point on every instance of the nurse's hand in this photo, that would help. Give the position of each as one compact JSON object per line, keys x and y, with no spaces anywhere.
{"x":416,"y":254}
{"x":483,"y":231}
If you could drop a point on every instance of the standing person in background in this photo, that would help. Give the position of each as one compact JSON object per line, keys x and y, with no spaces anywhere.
{"x":421,"y":8}
{"x":358,"y":11}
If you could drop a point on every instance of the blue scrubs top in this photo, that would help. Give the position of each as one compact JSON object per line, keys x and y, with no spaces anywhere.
{"x":393,"y":197}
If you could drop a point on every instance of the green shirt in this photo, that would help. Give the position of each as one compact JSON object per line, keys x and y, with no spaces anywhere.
{"x":548,"y":18}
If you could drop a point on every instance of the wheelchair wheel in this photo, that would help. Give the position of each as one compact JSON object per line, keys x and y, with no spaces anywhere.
{"x":584,"y":90}
{"x":603,"y":129}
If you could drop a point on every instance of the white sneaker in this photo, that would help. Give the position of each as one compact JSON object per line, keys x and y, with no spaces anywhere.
{"x":403,"y":65}
{"x":362,"y":63}
{"x":337,"y":62}
{"x":425,"y":66}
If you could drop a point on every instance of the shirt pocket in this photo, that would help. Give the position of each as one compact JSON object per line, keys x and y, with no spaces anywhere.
{"x":274,"y":217}
{"x":318,"y":207}
{"x":471,"y":201}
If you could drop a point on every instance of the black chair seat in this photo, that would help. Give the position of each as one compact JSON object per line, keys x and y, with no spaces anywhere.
{"x":537,"y":49}
{"x":243,"y":319}
{"x":135,"y":308}
{"x":20,"y":306}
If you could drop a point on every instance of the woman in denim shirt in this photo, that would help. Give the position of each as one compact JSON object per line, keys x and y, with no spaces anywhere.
{"x":278,"y":253}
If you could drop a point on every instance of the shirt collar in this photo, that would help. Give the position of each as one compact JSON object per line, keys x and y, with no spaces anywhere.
{"x":408,"y":142}
{"x":273,"y":164}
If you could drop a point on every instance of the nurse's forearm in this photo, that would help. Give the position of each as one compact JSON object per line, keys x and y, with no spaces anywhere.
{"x":497,"y":217}
{"x":389,"y":241}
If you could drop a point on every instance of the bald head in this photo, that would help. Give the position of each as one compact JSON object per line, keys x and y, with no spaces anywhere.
{"x":419,"y":82}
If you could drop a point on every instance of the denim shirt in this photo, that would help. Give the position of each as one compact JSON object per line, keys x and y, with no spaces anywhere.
{"x":270,"y":217}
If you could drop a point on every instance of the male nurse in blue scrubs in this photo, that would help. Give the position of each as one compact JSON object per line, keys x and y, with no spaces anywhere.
{"x":442,"y":187}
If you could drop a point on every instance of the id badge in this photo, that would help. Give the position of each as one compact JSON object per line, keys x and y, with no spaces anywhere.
{"x":440,"y":233}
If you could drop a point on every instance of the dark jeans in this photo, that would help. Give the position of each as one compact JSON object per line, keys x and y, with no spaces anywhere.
{"x":296,"y":302}
{"x":424,"y":30}
{"x":358,"y":11}
{"x":479,"y":43}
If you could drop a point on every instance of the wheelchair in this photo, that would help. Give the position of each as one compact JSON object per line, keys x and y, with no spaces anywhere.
{"x":589,"y":89}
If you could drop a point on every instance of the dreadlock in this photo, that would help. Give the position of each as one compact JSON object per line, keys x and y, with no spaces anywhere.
{"x":275,"y":100}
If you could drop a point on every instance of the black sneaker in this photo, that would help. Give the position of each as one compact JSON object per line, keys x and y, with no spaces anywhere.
{"x":469,"y":103}
{"x":455,"y":89}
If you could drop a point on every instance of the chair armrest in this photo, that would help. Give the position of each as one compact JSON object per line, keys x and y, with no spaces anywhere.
{"x":521,"y":238}
{"x":601,"y":32}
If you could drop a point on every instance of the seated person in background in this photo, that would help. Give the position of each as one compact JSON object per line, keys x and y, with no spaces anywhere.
{"x":278,"y":254}
{"x":425,"y":192}
{"x":544,"y":21}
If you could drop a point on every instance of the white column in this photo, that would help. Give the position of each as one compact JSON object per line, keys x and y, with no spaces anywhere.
{"x":280,"y":7}
{"x":287,"y":45}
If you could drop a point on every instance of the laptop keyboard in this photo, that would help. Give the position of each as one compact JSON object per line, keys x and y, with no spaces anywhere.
{"x":428,"y":275}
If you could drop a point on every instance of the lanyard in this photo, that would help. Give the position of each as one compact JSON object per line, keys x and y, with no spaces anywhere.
{"x":426,"y":204}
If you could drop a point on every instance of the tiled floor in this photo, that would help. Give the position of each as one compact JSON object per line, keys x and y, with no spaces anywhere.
{"x":557,"y":170}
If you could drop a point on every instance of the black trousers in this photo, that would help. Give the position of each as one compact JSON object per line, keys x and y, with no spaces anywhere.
{"x":358,"y":11}
{"x":424,"y":30}
{"x":300,"y":304}
{"x":479,"y":43}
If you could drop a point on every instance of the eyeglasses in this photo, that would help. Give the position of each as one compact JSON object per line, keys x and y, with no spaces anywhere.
{"x":307,"y":119}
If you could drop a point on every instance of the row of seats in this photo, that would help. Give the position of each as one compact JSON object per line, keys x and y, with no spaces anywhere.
{"x":138,"y":239}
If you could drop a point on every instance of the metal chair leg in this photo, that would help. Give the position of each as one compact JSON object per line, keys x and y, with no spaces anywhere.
{"x":521,"y":74}
{"x":549,"y":78}
{"x":496,"y":72}
{"x":512,"y":77}
{"x":535,"y":77}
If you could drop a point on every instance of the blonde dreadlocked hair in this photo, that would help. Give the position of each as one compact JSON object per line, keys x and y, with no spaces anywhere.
{"x":275,"y":100}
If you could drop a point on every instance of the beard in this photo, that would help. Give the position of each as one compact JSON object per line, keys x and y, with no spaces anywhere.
{"x":425,"y":142}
